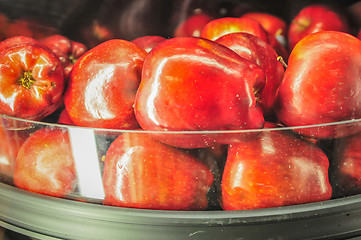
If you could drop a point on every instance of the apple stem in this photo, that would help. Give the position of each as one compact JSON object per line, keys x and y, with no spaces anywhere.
{"x":27,"y":80}
{"x":284,"y":64}
{"x":278,"y":32}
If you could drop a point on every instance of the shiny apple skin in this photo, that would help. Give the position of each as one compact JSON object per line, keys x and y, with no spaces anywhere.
{"x":322,"y":85}
{"x":222,"y":26}
{"x":66,"y":50}
{"x":140,"y":172}
{"x":64,"y":118}
{"x":147,"y":43}
{"x":274,"y":25}
{"x":276,"y":169}
{"x":103,"y":84}
{"x":193,"y":25}
{"x":18,"y":40}
{"x":34,"y":99}
{"x":346,"y":166}
{"x":25,"y":26}
{"x":11,"y":139}
{"x":193,"y":84}
{"x":315,"y":18}
{"x":262,"y":54}
{"x":19,"y":27}
{"x":45,"y":163}
{"x":277,"y":31}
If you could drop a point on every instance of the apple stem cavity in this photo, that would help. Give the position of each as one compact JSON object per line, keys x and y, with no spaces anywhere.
{"x":284,"y":64}
{"x":72,"y":59}
{"x":26,"y":80}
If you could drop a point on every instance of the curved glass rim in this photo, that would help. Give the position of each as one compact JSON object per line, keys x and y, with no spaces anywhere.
{"x":52,"y":217}
{"x":108,"y":212}
{"x":280,"y":128}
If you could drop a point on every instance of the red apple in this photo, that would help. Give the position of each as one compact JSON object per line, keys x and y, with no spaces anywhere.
{"x":18,"y":27}
{"x":214,"y":158}
{"x":276,"y":28}
{"x":11,"y":139}
{"x":64,"y":118}
{"x":217,"y":152}
{"x":222,"y":26}
{"x":140,"y":172}
{"x":276,"y":169}
{"x":17,"y":41}
{"x":346,"y":172}
{"x":274,"y":25}
{"x":262,"y":54}
{"x":31,"y":81}
{"x":193,"y":25}
{"x":103,"y":84}
{"x":66,"y":50}
{"x":147,"y":43}
{"x":27,"y":27}
{"x":279,"y":48}
{"x":45,"y":163}
{"x":321,"y":85}
{"x":96,"y":33}
{"x":194,"y":84}
{"x":315,"y":18}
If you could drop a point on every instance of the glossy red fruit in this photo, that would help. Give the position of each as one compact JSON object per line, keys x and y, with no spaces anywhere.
{"x":96,"y":33}
{"x":64,"y":118}
{"x":66,"y":50}
{"x":11,"y":139}
{"x":45,"y":163}
{"x":147,"y":43}
{"x":276,"y":29}
{"x":31,"y":81}
{"x":103,"y":84}
{"x":191,"y":84}
{"x":262,"y":54}
{"x":222,"y":26}
{"x":140,"y":172}
{"x":274,"y":25}
{"x":315,"y":18}
{"x":346,"y":172}
{"x":193,"y":25}
{"x":321,"y":85}
{"x":19,"y":27}
{"x":29,"y":28}
{"x":276,"y":169}
{"x":279,"y":48}
{"x":214,"y":158}
{"x":17,"y":41}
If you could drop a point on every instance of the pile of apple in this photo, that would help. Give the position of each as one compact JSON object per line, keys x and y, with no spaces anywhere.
{"x":210,"y":106}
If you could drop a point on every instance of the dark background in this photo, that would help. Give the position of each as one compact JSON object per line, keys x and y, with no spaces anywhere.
{"x":130,"y":19}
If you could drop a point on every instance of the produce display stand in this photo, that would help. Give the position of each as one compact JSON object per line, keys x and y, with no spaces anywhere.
{"x":43,"y":217}
{"x":47,"y":218}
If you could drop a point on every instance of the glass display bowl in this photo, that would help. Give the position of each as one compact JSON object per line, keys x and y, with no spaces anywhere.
{"x":62,"y":181}
{"x":80,"y":183}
